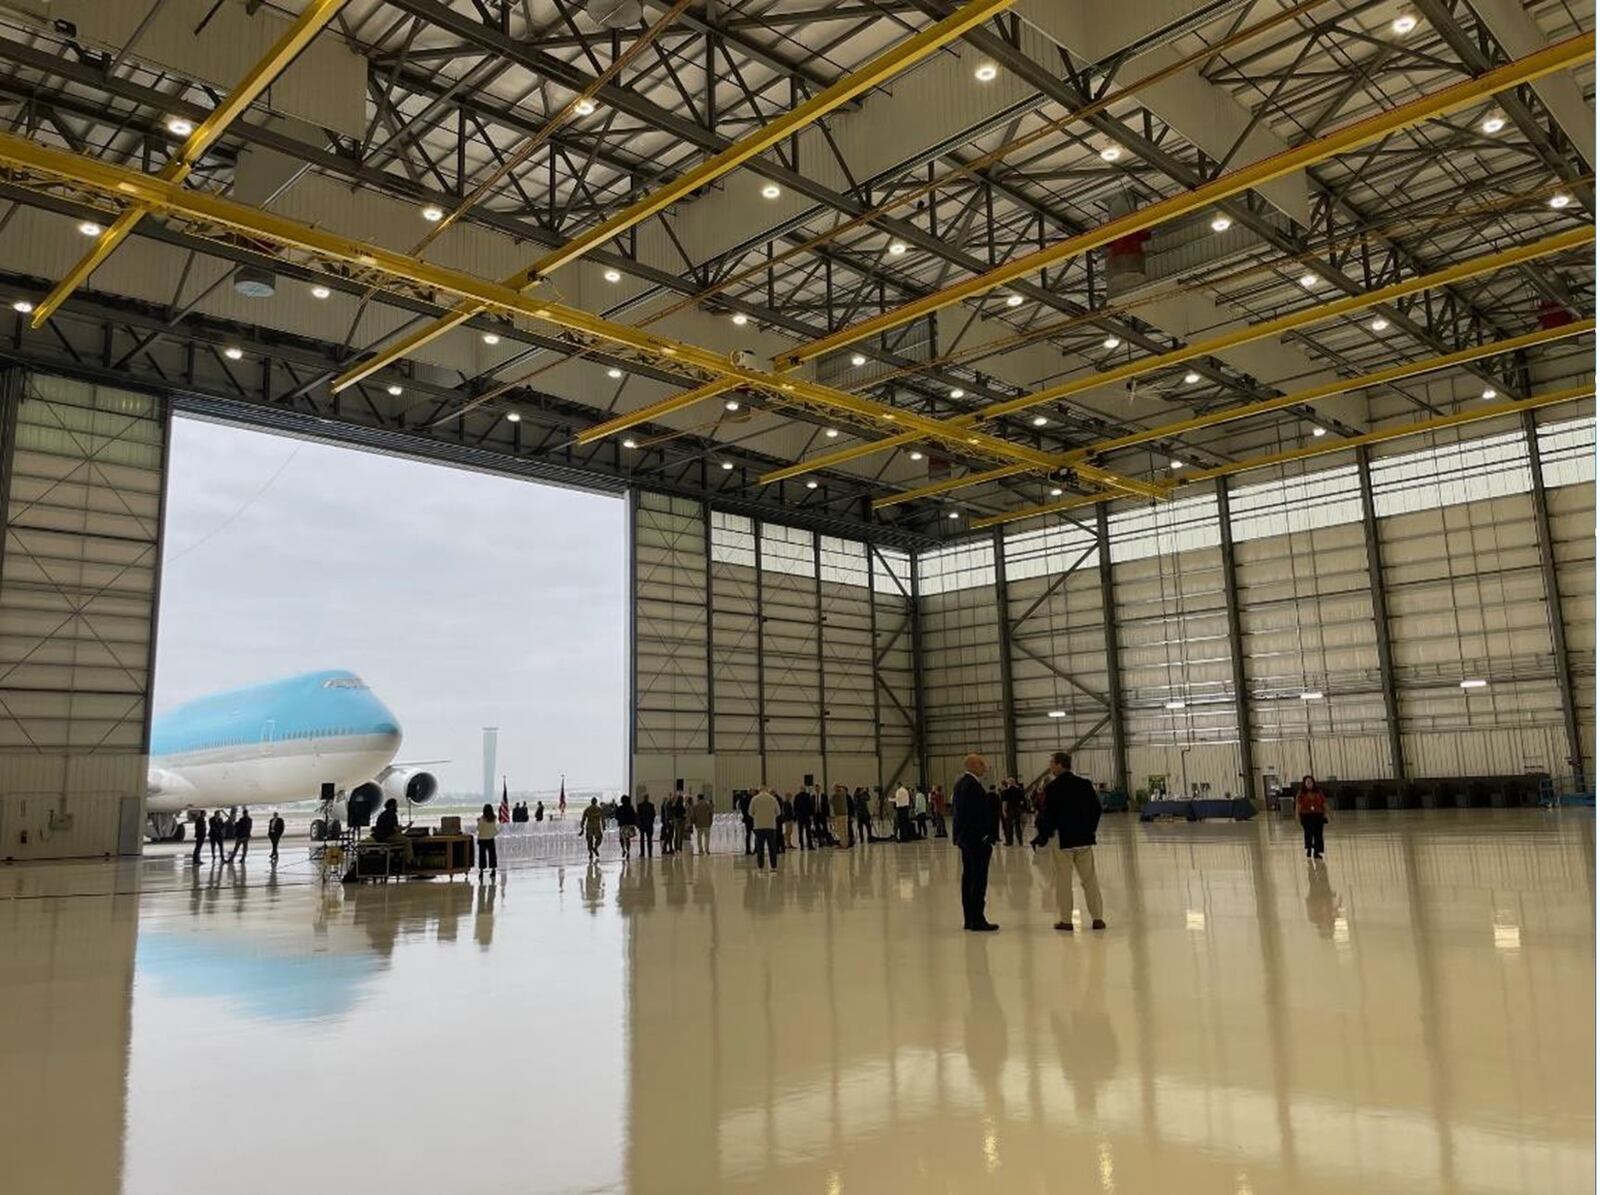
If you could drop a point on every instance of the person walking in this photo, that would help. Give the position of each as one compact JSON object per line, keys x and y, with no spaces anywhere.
{"x":1071,"y":814}
{"x":701,"y":816}
{"x":488,"y":827}
{"x":199,"y":836}
{"x":647,"y":826}
{"x":241,"y":836}
{"x":1012,"y":798}
{"x":592,"y":826}
{"x":975,"y":832}
{"x":274,"y":832}
{"x":764,"y":810}
{"x":1311,"y":804}
{"x":627,"y":825}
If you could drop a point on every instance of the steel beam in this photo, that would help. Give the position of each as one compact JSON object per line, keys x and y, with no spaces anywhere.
{"x":1554,"y":610}
{"x":1406,"y":369}
{"x":1241,"y":684}
{"x":1108,"y":617}
{"x":295,"y":38}
{"x":919,"y":697}
{"x":885,"y":66}
{"x":711,"y":666}
{"x":761,"y":655}
{"x":1560,"y":56}
{"x":1002,"y":622}
{"x":822,"y":676}
{"x":1380,"y":617}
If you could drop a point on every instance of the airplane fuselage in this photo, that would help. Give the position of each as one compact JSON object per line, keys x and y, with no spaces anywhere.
{"x":270,"y":743}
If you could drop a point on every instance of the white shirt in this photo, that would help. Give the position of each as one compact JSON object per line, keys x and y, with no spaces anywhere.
{"x":901,"y":797}
{"x":922,"y":801}
{"x":488,"y":827}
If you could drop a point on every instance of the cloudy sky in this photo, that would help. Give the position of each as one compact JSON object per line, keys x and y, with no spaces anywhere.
{"x":464,"y":600}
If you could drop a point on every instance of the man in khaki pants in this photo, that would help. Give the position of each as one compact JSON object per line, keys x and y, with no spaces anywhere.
{"x":1071,"y":815}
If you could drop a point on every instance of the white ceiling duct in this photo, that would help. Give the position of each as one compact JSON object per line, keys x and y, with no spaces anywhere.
{"x":614,"y":14}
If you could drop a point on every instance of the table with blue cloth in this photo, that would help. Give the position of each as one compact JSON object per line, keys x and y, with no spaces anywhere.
{"x":1238,"y":809}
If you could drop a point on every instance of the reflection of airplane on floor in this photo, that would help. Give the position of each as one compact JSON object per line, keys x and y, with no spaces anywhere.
{"x":274,"y":743}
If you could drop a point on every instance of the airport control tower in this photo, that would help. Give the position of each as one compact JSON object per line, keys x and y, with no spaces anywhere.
{"x":491,"y":740}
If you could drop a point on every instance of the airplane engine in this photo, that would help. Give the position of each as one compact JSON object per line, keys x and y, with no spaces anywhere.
{"x":362,"y":804}
{"x":410,"y":784}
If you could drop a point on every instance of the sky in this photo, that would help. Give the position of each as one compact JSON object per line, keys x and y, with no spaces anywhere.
{"x":464,"y":600}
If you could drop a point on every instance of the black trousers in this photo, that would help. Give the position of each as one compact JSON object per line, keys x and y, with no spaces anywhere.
{"x":902,"y":823}
{"x":803,"y":824}
{"x":273,"y":839}
{"x":1013,"y":826}
{"x":1311,"y":826}
{"x":241,"y":847}
{"x":974,"y":881}
{"x":647,"y":839}
{"x":766,"y":840}
{"x":199,"y":844}
{"x":487,"y":856}
{"x":749,"y":835}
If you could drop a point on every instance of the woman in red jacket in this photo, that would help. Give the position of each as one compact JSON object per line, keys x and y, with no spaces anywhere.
{"x":1311,"y":803}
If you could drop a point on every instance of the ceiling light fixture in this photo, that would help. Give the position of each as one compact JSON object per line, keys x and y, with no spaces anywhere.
{"x":1110,"y":153}
{"x":955,"y":514}
{"x":433,"y":213}
{"x":179,"y":126}
{"x":395,"y":391}
{"x":1111,"y":342}
{"x":584,"y":107}
{"x":613,"y":373}
{"x":958,"y":392}
{"x":613,"y":275}
{"x":916,"y":456}
{"x":1319,"y":432}
{"x":771,"y":191}
{"x":832,"y":433}
{"x":1190,"y":378}
{"x":727,"y":466}
{"x":1176,"y":463}
{"x":1493,"y":123}
{"x":320,"y":292}
{"x":90,"y":229}
{"x":513,"y":417}
{"x":740,"y":319}
{"x":1221,"y":222}
{"x":811,"y":485}
{"x":1403,"y":24}
{"x":1055,"y":491}
{"x":858,"y":360}
{"x":1489,"y":393}
{"x":1039,"y":421}
{"x":233,"y":352}
{"x":1560,"y":200}
{"x":1308,"y":280}
{"x":630,"y":443}
{"x":491,"y":338}
{"x":731,"y":405}
{"x":1014,"y":301}
{"x":22,"y":305}
{"x":897,"y":248}
{"x":987,"y":72}
{"x":1379,"y":324}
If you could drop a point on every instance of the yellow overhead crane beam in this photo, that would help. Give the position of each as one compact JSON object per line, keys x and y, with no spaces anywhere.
{"x":1473,"y":267}
{"x":1562,"y":55}
{"x":1394,"y":373}
{"x":1473,"y":414}
{"x":295,"y":39}
{"x":210,"y":213}
{"x":886,"y":65}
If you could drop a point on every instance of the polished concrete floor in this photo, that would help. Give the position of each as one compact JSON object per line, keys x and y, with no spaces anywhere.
{"x":1418,"y":1016}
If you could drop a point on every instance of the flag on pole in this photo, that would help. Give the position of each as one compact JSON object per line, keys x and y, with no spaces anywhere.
{"x":505,"y":802}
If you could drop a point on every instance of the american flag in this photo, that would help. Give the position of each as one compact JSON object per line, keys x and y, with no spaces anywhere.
{"x":505,"y":802}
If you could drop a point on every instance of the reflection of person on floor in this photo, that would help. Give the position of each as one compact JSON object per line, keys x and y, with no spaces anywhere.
{"x":592,"y":826}
{"x":483,"y":923}
{"x":387,"y":830}
{"x":985,"y":1027}
{"x":1322,"y":904}
{"x":274,"y":832}
{"x":1086,"y":1036}
{"x":1071,"y":815}
{"x":241,"y":836}
{"x":593,"y":889}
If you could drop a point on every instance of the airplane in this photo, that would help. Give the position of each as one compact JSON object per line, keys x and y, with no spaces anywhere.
{"x":274,"y":743}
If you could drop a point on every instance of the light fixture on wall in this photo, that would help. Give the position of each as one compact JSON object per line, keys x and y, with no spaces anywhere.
{"x":1056,"y":714}
{"x":1474,"y":684}
{"x":1175,"y":705}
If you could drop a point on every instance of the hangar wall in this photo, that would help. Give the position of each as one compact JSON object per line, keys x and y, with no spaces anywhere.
{"x":1122,"y":624}
{"x":82,"y":480}
{"x":763,"y":652}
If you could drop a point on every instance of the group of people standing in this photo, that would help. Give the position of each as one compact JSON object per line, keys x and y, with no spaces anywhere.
{"x":237,"y":826}
{"x":677,"y":816}
{"x":520,"y":813}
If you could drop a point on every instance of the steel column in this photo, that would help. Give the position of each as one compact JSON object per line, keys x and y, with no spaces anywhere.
{"x":1553,"y":607}
{"x":919,"y":707}
{"x":872,"y":632}
{"x":822,"y":683}
{"x":633,"y":630}
{"x":1002,"y":622}
{"x":711,"y":669}
{"x":1380,"y":616}
{"x":155,"y":580}
{"x":1108,"y":616}
{"x":1241,"y":692}
{"x":761,"y":658}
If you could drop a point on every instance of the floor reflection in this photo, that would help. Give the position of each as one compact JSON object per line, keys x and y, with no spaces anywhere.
{"x":1415,"y":1013}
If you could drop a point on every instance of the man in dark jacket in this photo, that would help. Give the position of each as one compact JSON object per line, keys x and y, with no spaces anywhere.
{"x":975,"y":832}
{"x":804,"y":817}
{"x":218,"y":828}
{"x":1071,"y":814}
{"x":274,"y":832}
{"x":1011,"y":800}
{"x":199,"y":836}
{"x":646,"y":812}
{"x":241,"y":836}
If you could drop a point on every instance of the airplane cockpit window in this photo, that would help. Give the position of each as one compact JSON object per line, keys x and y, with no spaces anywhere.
{"x":344,"y":682}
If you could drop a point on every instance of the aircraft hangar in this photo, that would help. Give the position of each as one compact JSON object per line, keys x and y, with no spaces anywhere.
{"x":1204,"y":390}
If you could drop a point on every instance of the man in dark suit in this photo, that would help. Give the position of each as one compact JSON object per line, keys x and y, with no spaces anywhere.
{"x":975,"y":832}
{"x":1071,"y":814}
